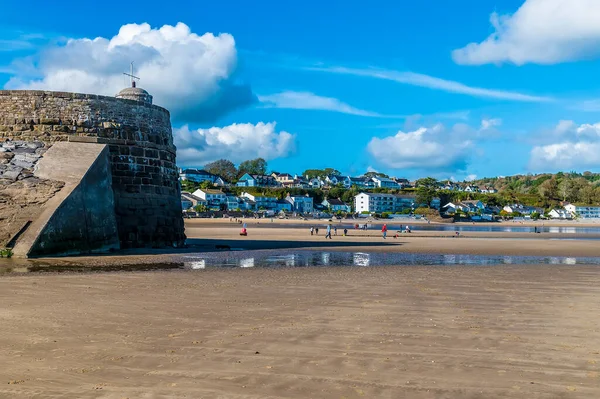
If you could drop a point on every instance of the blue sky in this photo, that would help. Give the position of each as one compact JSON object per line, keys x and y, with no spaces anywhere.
{"x":447,"y":89}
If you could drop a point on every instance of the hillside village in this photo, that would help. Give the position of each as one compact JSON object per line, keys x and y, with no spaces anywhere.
{"x":322,"y":193}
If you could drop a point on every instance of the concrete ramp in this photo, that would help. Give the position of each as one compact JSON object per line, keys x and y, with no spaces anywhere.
{"x":80,"y":218}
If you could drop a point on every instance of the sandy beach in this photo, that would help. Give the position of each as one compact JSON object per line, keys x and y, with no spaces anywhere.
{"x":501,"y":331}
{"x":415,"y":332}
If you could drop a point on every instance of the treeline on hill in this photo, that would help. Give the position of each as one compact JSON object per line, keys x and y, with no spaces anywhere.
{"x":548,"y":189}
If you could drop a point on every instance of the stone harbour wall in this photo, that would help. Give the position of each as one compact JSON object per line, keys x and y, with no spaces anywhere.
{"x":142,"y":154}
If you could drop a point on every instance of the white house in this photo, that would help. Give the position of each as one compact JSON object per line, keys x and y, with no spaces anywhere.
{"x":487,"y":190}
{"x":212,"y":197}
{"x":300,"y":203}
{"x":583,"y":211}
{"x":523,"y":209}
{"x":283,"y":178}
{"x":559,"y":214}
{"x":316,"y":182}
{"x":384,"y":182}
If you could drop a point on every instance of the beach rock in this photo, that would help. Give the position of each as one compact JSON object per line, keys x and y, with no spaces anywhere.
{"x":11,"y":173}
{"x":5,"y":157}
{"x":24,"y":150}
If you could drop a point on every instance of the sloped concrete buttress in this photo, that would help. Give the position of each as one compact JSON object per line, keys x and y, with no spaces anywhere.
{"x":80,"y":218}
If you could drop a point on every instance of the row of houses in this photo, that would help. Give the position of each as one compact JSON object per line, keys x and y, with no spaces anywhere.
{"x":287,"y":180}
{"x":466,"y":187}
{"x":217,"y":199}
{"x":569,"y":211}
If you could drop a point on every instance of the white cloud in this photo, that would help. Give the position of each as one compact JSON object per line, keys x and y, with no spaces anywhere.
{"x":540,"y":31}
{"x":191,"y":75}
{"x":470,"y":177}
{"x":237,"y":142}
{"x":307,"y":100}
{"x":573,"y":147}
{"x":417,"y":79}
{"x":431,"y":148}
{"x":490,"y":123}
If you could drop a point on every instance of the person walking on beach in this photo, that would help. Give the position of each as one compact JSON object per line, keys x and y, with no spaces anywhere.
{"x":328,"y":232}
{"x":316,"y":230}
{"x":345,"y":232}
{"x":384,"y":230}
{"x":335,"y":231}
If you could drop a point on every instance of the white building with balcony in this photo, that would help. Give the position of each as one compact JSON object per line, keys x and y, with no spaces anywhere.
{"x":379,"y":203}
{"x":212,"y":197}
{"x":583,"y":211}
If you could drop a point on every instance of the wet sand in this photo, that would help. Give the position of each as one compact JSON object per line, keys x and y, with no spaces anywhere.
{"x":383,"y":332}
{"x":205,"y":236}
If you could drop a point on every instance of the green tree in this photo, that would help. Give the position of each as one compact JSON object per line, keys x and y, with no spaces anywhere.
{"x":426,"y":190}
{"x":375,"y":174}
{"x":548,"y":190}
{"x":223,"y":168}
{"x":206,"y":184}
{"x":188,"y":185}
{"x":256,"y":166}
{"x":587,"y":194}
{"x":313,"y":173}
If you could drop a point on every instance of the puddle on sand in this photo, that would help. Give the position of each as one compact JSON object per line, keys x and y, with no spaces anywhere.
{"x":275,"y":259}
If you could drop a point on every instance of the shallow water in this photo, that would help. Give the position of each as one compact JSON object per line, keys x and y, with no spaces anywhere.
{"x":275,"y":259}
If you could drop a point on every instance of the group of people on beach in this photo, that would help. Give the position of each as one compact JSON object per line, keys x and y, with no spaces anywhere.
{"x":328,"y":230}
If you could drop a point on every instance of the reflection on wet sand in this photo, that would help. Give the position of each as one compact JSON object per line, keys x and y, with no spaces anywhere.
{"x":273,"y":259}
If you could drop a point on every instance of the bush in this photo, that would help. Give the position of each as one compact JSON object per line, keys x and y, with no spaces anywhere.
{"x":5,"y":253}
{"x":385,"y":215}
{"x":365,"y":212}
{"x":427,"y":212}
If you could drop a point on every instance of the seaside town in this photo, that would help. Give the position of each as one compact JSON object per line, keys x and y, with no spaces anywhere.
{"x":327,"y":193}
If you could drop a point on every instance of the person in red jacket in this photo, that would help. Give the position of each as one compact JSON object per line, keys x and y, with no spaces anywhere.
{"x":384,"y":230}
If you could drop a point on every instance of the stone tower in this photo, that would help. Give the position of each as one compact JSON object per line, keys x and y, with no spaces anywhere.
{"x":142,"y":154}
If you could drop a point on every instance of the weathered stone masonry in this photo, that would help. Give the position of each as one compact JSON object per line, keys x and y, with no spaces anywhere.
{"x":139,"y":135}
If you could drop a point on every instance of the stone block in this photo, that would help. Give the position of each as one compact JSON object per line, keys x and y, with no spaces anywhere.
{"x":50,"y":121}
